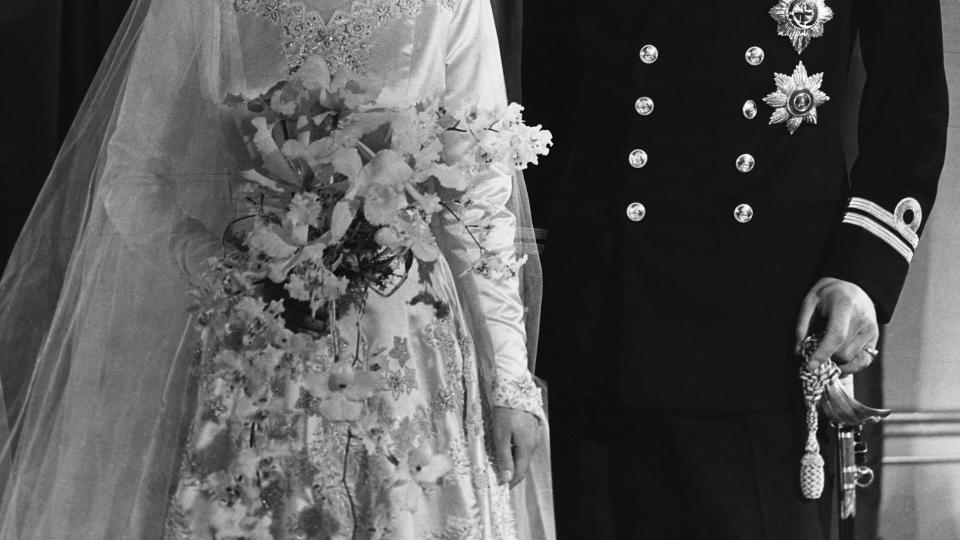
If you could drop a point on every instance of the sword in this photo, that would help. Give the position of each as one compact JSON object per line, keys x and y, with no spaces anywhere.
{"x":826,"y":392}
{"x":853,"y":472}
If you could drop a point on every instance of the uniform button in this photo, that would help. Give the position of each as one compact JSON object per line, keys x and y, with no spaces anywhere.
{"x":745,"y":163}
{"x":750,"y":109}
{"x":638,"y":159}
{"x":649,"y":54}
{"x":743,"y":213}
{"x":636,"y":212}
{"x":644,"y":106}
{"x":754,"y":56}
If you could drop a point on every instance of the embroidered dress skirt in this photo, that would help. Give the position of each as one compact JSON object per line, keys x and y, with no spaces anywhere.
{"x":419,"y":467}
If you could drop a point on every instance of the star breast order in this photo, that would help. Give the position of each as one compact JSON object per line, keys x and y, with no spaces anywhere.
{"x":801,"y":20}
{"x":796,"y":99}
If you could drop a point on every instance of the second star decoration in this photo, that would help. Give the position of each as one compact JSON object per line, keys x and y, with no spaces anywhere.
{"x":796,"y":99}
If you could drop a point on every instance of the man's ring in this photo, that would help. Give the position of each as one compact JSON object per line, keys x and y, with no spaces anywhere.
{"x":871,"y":351}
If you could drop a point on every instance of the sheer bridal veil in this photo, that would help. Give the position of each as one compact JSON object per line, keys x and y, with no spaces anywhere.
{"x":94,"y":331}
{"x":96,"y":342}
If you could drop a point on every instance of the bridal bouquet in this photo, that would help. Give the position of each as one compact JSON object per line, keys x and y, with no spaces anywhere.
{"x":341,"y":200}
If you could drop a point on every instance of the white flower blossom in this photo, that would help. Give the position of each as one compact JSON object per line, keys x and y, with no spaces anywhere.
{"x":305,"y":210}
{"x":265,"y":240}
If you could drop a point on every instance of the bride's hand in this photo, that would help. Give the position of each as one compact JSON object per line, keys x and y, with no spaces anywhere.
{"x":516,"y":435}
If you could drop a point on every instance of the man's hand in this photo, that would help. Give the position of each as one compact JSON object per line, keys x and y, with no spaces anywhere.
{"x":516,"y":436}
{"x":849,"y":318}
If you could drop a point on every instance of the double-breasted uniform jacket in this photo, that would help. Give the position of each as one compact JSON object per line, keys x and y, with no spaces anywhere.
{"x":706,"y":189}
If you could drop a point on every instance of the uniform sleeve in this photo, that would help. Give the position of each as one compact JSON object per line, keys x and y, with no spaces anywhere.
{"x":474,"y":77}
{"x":902,"y":142}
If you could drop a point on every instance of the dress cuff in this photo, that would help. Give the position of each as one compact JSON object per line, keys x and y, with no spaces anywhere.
{"x":520,"y":393}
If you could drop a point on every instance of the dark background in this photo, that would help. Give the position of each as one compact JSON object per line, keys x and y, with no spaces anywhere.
{"x":52,"y":49}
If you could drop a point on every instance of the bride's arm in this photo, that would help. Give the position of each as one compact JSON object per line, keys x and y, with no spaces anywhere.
{"x":475,"y":78}
{"x":161,"y":171}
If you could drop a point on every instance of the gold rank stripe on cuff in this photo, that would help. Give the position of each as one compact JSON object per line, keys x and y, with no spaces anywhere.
{"x":880,"y":232}
{"x":887,"y":218}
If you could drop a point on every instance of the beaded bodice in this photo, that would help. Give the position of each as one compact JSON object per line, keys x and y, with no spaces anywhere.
{"x":344,"y":39}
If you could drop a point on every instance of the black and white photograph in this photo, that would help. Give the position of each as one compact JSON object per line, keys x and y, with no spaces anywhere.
{"x":480,"y":270}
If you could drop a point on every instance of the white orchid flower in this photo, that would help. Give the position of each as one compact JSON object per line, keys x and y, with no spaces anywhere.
{"x":273,"y":159}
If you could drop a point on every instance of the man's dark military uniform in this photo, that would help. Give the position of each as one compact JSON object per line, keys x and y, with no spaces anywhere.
{"x":705,"y":191}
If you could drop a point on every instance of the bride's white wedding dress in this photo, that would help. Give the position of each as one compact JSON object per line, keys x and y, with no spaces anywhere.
{"x":104,"y":437}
